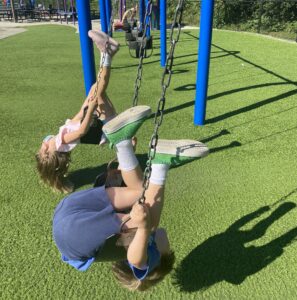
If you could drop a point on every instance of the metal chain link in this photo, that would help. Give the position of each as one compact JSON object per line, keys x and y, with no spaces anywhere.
{"x":148,"y":13}
{"x":165,"y":82}
{"x":99,"y":73}
{"x":109,"y":30}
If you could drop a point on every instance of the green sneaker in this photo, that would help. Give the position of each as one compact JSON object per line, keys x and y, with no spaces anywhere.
{"x":179,"y":152}
{"x":125,"y":125}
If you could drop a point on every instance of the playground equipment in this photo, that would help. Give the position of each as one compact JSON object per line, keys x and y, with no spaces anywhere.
{"x":65,"y":12}
{"x":206,"y":20}
{"x":134,"y":37}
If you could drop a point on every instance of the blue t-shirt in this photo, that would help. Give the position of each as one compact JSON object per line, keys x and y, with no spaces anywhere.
{"x":80,"y":265}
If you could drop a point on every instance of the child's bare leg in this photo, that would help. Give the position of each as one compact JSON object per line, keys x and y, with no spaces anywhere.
{"x":125,"y":198}
{"x":108,"y":47}
{"x":105,"y":106}
{"x":154,"y":199}
{"x":119,"y":132}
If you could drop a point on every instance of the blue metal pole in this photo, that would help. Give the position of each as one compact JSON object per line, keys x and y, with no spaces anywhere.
{"x":148,"y":20}
{"x":86,"y":45}
{"x":141,"y":13}
{"x":163,"y":32}
{"x":206,"y":21}
{"x":108,"y":14}
{"x":103,"y":21}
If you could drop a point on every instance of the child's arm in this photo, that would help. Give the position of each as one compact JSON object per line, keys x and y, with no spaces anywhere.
{"x":137,"y":251}
{"x":80,"y":114}
{"x":84,"y":127}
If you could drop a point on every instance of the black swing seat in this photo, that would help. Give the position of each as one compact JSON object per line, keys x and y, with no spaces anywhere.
{"x":146,"y":43}
{"x":133,"y":35}
{"x":94,"y":134}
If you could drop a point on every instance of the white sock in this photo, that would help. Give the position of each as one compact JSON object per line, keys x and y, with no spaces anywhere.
{"x":126,"y":156}
{"x":159,"y":173}
{"x":107,"y":60}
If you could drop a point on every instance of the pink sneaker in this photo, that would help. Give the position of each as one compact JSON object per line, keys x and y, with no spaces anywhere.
{"x":104,"y":42}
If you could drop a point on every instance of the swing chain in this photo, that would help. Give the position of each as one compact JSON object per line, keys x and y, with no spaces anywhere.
{"x":99,"y":73}
{"x":165,"y":82}
{"x":103,"y":57}
{"x":137,"y":84}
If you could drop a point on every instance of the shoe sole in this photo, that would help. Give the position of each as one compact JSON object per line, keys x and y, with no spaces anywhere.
{"x":107,"y":38}
{"x":97,"y":38}
{"x":188,"y":148}
{"x":129,"y":116}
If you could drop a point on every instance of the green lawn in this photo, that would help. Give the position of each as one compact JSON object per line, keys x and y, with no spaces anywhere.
{"x":231,"y":217}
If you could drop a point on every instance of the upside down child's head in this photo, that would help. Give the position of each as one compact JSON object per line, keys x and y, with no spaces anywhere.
{"x":52,"y":166}
{"x":160,"y":261}
{"x":125,"y":276}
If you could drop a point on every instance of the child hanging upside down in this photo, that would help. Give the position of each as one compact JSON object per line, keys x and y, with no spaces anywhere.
{"x":128,"y":21}
{"x":84,"y":222}
{"x":53,"y":157}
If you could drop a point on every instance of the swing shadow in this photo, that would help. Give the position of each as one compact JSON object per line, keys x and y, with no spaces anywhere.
{"x":248,"y":61}
{"x":245,"y":109}
{"x":224,"y":256}
{"x":85,"y":176}
{"x":251,"y":107}
{"x":212,"y":57}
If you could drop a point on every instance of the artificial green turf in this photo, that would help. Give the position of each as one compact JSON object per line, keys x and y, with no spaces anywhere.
{"x":231,"y":217}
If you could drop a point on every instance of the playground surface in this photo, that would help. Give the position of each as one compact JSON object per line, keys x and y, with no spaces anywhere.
{"x":231,"y":217}
{"x":6,"y":32}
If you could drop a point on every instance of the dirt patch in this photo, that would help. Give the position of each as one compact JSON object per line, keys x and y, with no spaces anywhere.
{"x":6,"y":32}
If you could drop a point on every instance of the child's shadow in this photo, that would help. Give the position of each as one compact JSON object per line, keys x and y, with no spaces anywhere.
{"x":85,"y":176}
{"x":225,"y":256}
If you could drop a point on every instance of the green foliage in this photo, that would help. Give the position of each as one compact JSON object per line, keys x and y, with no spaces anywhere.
{"x":252,"y":15}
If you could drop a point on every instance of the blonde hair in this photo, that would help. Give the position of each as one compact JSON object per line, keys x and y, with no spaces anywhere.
{"x":125,"y":276}
{"x":52,"y":170}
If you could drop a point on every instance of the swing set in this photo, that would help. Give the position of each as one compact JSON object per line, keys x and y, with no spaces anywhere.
{"x":121,"y":241}
{"x":207,"y":7}
{"x":134,"y":36}
{"x":206,"y":22}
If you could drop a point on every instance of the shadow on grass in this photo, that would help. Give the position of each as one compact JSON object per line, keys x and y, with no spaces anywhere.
{"x":224,"y":257}
{"x":212,"y":57}
{"x":85,"y":176}
{"x":245,"y":109}
{"x":235,"y":54}
{"x":251,"y":107}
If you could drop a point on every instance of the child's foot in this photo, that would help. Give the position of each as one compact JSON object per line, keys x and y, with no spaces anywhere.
{"x":125,"y":125}
{"x":104,"y":139}
{"x":178,"y":152}
{"x":104,"y":42}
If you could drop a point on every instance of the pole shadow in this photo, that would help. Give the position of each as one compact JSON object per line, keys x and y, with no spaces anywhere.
{"x":233,"y":113}
{"x":224,"y":256}
{"x":233,"y":53}
{"x":251,"y":107}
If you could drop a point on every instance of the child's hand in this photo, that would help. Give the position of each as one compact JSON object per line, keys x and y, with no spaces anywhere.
{"x":92,"y":103}
{"x":140,"y":214}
